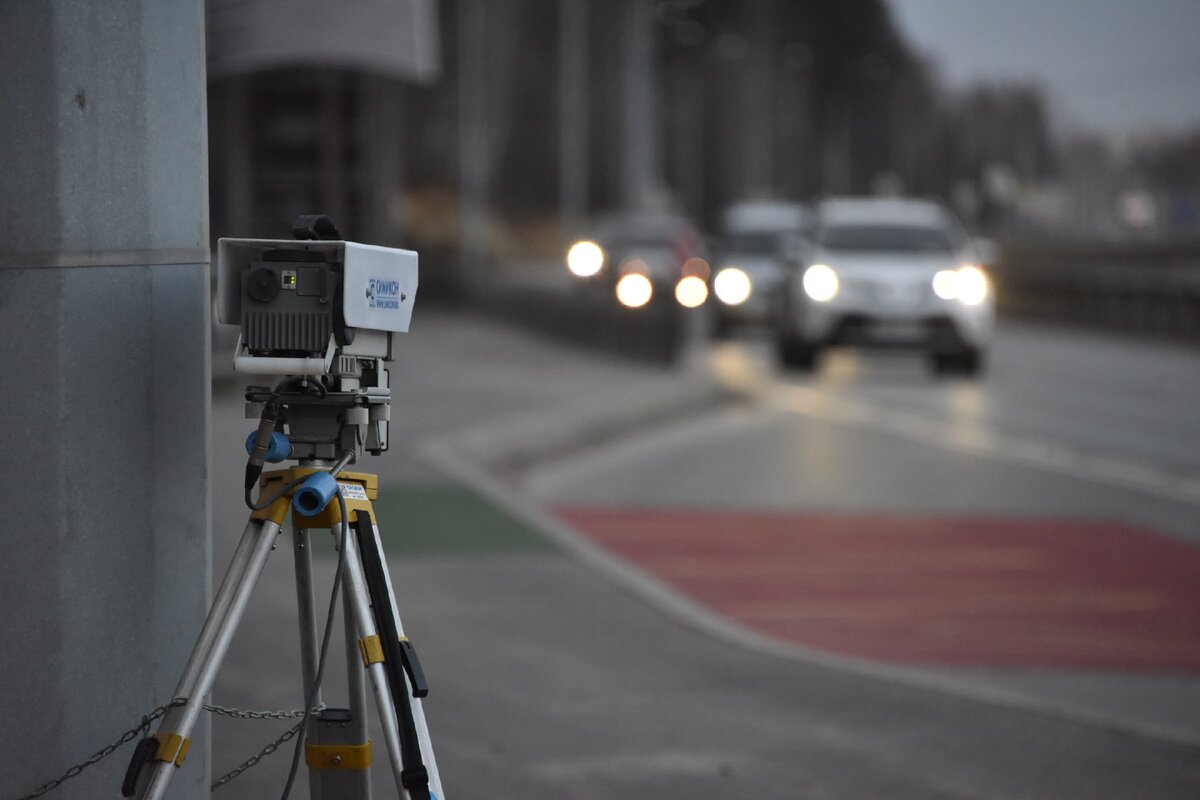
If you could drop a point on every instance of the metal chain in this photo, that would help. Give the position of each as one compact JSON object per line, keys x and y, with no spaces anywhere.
{"x":126,"y":738}
{"x":250,"y":762}
{"x":242,"y":714}
{"x":144,"y":728}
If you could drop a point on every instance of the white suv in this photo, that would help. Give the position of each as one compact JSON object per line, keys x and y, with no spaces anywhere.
{"x":889,"y":271}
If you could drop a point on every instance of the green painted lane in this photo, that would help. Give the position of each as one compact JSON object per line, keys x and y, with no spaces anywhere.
{"x":446,"y":519}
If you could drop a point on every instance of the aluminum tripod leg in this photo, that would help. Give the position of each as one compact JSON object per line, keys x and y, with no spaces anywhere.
{"x":201,"y":670}
{"x":327,"y":784}
{"x":360,"y":606}
{"x":356,"y":686}
{"x":435,"y":780}
{"x":365,"y":622}
{"x":307,"y":614}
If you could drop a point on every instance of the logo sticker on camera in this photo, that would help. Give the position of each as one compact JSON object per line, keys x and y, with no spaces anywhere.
{"x":384,"y":294}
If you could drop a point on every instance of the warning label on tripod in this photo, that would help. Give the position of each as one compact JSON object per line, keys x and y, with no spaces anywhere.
{"x":352,"y":491}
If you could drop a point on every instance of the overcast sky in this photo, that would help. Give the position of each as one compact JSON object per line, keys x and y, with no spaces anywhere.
{"x":1118,"y":66}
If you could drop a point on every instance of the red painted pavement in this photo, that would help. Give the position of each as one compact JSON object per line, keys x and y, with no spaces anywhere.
{"x":926,"y":591}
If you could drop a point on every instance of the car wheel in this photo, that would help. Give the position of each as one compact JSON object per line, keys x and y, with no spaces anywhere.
{"x":972,"y":362}
{"x":968,"y":362}
{"x":722,"y":327}
{"x":798,"y":354}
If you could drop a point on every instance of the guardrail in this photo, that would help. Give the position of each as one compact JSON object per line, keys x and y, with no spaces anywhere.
{"x":1145,"y":289}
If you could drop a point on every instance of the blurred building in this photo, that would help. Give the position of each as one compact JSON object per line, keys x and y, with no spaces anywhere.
{"x":305,"y":110}
{"x":485,"y":127}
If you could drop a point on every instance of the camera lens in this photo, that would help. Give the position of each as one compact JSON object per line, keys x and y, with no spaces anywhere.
{"x":263,"y":285}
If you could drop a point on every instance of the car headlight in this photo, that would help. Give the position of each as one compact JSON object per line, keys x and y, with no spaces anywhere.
{"x":972,"y":285}
{"x":691,"y":291}
{"x":732,"y":286}
{"x":634,"y":290}
{"x":967,"y":284}
{"x":585,"y":259}
{"x":821,"y":283}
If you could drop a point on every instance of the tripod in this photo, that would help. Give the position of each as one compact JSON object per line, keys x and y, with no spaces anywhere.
{"x":338,"y":752}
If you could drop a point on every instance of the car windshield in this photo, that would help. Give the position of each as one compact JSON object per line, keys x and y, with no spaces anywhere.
{"x":888,"y":238}
{"x":756,"y":242}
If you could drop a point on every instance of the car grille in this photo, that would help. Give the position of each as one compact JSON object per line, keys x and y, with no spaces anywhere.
{"x":887,"y":293}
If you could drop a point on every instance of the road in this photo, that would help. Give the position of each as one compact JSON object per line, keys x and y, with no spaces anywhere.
{"x":558,"y":671}
{"x":1031,"y":536}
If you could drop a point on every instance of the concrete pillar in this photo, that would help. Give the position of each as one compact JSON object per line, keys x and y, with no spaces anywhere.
{"x":640,"y":176}
{"x":573,"y":112}
{"x":474,"y":140}
{"x":104,"y":380}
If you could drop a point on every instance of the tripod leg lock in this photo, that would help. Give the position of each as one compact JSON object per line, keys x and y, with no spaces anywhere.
{"x":412,"y":665}
{"x":415,"y":778}
{"x":142,"y":755}
{"x":169,"y":747}
{"x":372,"y":653}
{"x":338,"y":756}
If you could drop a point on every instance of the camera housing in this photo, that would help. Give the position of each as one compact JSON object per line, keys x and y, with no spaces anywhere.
{"x":302,"y":304}
{"x":322,"y":314}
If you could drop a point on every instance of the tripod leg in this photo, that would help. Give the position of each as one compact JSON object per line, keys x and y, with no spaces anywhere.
{"x":302,"y":551}
{"x":306,"y":608}
{"x":373,"y":550}
{"x":406,"y":682}
{"x":360,"y":606}
{"x":338,"y":749}
{"x":355,"y":684}
{"x":196,"y":682}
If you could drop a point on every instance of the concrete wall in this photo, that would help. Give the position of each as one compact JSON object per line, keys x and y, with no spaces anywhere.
{"x":104,"y":380}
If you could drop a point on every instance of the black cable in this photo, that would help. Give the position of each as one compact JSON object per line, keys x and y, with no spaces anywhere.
{"x":316,"y":687}
{"x":261,"y":504}
{"x":267,"y":423}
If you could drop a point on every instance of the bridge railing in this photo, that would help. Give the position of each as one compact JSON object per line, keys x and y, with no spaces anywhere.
{"x":1141,"y":289}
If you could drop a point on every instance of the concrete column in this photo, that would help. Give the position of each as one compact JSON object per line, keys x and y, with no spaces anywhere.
{"x":758,"y":102}
{"x":474,"y":139}
{"x":573,"y":111}
{"x":104,"y":380}
{"x":379,"y":176}
{"x":640,"y":176}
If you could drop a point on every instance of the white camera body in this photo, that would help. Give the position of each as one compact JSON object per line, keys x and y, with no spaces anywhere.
{"x":303,"y":304}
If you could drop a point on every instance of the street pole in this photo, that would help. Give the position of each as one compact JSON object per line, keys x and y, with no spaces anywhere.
{"x":473,"y":139}
{"x":573,"y":111}
{"x":639,"y":122}
{"x":106,"y":379}
{"x":758,"y":97}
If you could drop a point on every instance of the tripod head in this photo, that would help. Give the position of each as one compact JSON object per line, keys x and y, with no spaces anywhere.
{"x":320,"y":422}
